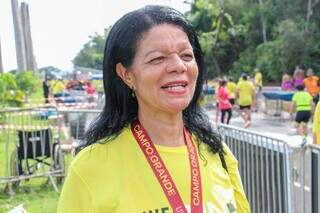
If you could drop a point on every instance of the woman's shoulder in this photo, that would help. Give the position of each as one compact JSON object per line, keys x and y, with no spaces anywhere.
{"x":94,"y":154}
{"x":228,"y":155}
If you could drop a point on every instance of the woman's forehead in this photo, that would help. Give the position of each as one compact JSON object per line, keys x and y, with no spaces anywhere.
{"x":163,"y":36}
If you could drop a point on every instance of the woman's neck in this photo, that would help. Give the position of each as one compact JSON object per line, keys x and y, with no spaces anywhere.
{"x":163,"y":129}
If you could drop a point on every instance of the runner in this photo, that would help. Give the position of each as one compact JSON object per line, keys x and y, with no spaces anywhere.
{"x":303,"y":105}
{"x":246,"y":98}
{"x":225,"y":106}
{"x":311,"y":84}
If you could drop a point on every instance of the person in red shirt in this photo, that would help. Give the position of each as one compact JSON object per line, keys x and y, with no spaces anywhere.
{"x":90,"y":90}
{"x":224,"y":101}
{"x":311,"y":85}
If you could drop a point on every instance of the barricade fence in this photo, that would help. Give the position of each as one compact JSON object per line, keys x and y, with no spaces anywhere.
{"x":277,"y":176}
{"x":33,"y":141}
{"x":30,"y":146}
{"x":315,"y":189}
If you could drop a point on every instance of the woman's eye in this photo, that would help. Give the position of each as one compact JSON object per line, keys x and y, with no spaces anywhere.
{"x":187,"y":57}
{"x":157,"y":60}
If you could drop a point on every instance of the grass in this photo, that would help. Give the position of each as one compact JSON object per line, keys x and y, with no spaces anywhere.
{"x":36,"y":195}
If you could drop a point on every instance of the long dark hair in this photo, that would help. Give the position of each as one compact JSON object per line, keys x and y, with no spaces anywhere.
{"x":120,"y":107}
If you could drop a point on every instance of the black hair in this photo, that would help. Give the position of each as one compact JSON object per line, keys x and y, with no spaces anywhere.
{"x":120,"y":107}
{"x":222,"y":82}
{"x":300,"y":87}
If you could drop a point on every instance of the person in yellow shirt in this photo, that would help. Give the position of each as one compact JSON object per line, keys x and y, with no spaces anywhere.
{"x":316,"y":125}
{"x":258,"y":79}
{"x":58,"y":86}
{"x":142,"y":154}
{"x":246,"y":97}
{"x":232,"y":88}
{"x":303,"y":105}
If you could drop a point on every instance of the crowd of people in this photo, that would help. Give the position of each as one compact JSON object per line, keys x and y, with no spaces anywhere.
{"x":304,"y":105}
{"x":244,"y":93}
{"x":57,"y":90}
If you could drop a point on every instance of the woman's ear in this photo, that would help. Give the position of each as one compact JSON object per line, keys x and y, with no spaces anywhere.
{"x":124,"y":74}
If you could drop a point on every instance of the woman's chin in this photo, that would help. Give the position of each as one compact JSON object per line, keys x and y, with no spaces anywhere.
{"x":177,"y":106}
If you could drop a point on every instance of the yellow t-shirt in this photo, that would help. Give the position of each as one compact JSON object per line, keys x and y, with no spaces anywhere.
{"x":115,"y":177}
{"x":57,"y":87}
{"x":316,"y":123}
{"x":258,"y":79}
{"x":303,"y":101}
{"x":246,"y":91}
{"x":232,"y":88}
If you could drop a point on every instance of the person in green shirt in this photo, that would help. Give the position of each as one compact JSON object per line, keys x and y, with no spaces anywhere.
{"x":303,"y":105}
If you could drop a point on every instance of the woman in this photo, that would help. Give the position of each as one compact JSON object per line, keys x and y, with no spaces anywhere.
{"x":298,"y":76}
{"x":151,"y":134}
{"x":286,"y":84}
{"x":224,"y":102}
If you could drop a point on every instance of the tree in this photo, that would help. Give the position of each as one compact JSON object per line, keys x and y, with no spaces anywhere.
{"x":27,"y":81}
{"x":274,"y":35}
{"x":91,"y":55}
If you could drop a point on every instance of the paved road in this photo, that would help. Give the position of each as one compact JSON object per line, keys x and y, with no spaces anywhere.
{"x":275,"y":126}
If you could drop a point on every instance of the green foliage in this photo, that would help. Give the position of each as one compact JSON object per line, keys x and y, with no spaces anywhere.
{"x":27,"y":81}
{"x":267,"y":60}
{"x":238,"y":45}
{"x":14,"y":88}
{"x":91,"y":55}
{"x":7,"y":82}
{"x":245,"y":63}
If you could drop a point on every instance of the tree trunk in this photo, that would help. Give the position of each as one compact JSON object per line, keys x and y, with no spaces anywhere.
{"x":220,"y":20}
{"x":264,"y":25}
{"x":216,"y":65}
{"x":309,"y":11}
{"x":310,"y":7}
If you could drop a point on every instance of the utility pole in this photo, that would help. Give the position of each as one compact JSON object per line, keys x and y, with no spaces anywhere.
{"x":18,"y":34}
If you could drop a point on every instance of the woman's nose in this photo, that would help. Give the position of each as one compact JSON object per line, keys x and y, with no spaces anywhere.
{"x":176,"y":64}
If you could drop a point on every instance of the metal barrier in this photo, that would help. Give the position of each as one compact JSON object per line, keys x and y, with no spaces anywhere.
{"x":78,"y":120}
{"x":30,"y":145}
{"x":276,"y":175}
{"x":315,"y":189}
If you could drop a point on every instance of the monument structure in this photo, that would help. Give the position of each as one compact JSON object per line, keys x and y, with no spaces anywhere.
{"x":23,"y":40}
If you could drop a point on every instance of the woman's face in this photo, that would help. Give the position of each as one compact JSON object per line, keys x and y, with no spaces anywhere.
{"x":164,"y":70}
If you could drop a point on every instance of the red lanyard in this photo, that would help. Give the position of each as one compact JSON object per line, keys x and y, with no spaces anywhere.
{"x":162,"y":174}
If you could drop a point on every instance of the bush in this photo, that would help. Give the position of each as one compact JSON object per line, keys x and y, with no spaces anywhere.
{"x":27,"y":81}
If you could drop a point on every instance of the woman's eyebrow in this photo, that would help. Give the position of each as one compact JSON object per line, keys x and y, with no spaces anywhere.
{"x":151,"y":51}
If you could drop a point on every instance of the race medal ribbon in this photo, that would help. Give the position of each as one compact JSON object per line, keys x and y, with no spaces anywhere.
{"x":162,"y":174}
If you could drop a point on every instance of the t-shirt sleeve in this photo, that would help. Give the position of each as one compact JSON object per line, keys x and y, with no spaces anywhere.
{"x":240,"y":197}
{"x":75,"y":195}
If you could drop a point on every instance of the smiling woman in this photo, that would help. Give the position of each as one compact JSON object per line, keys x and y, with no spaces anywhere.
{"x":152,"y":149}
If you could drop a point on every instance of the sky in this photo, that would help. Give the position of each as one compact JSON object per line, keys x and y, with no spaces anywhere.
{"x":59,"y":28}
